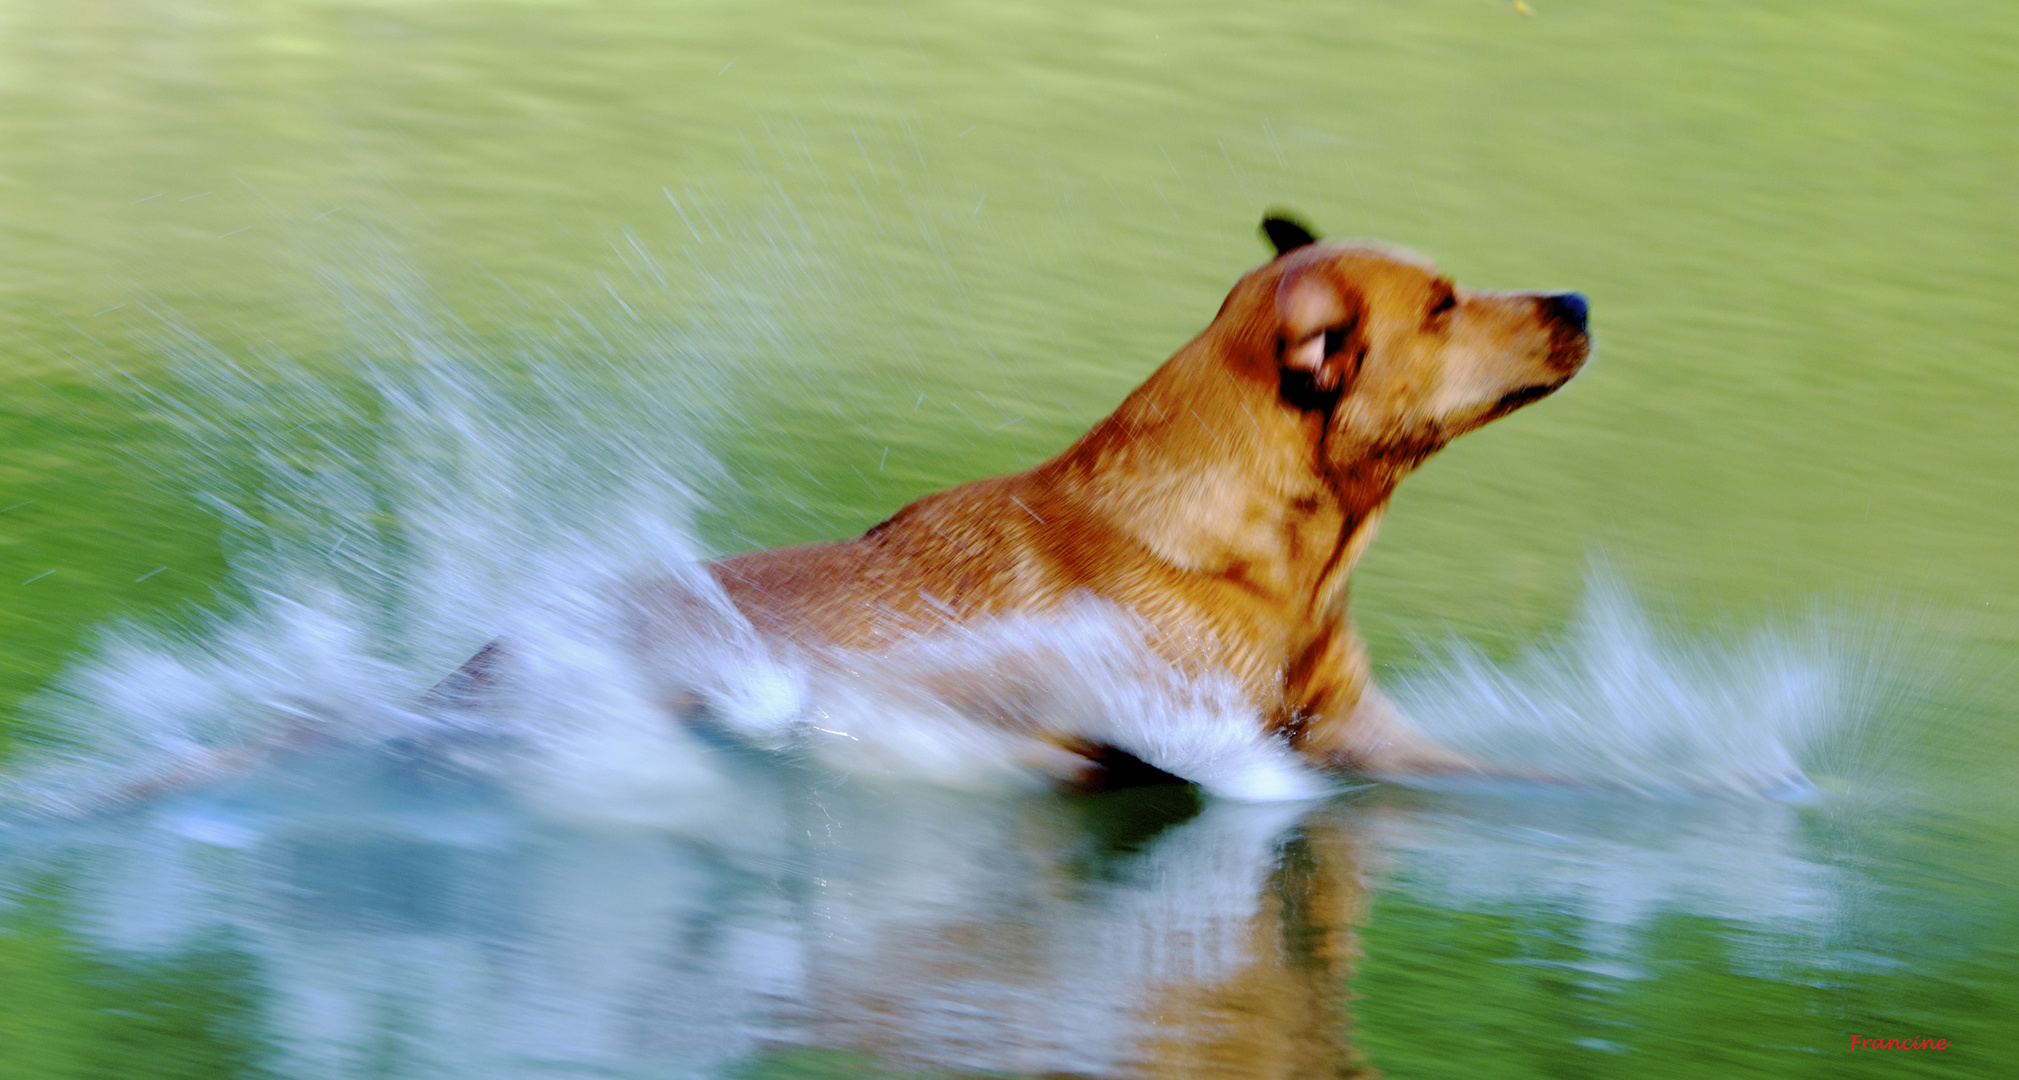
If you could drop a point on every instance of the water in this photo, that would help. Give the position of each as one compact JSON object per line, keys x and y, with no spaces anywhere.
{"x":351,"y":337}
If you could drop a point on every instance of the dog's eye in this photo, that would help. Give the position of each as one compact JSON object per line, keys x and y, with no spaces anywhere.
{"x":1335,"y":339}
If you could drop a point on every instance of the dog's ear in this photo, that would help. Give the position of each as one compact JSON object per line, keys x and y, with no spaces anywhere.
{"x":1285,"y":233}
{"x":1319,"y":342}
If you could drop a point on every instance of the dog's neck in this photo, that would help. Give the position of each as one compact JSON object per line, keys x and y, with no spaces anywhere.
{"x":1209,"y":473}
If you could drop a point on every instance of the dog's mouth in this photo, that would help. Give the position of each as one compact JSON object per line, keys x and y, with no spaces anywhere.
{"x":1516,"y":399}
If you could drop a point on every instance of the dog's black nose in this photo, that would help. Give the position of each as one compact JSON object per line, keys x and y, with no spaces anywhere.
{"x":1570,"y":307}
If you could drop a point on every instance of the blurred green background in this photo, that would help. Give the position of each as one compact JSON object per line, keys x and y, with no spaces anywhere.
{"x":937,"y":240}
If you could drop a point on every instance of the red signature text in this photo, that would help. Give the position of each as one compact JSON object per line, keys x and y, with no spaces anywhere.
{"x":1861,"y":1042}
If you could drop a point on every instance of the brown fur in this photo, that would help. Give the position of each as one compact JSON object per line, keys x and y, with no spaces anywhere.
{"x":1225,"y":502}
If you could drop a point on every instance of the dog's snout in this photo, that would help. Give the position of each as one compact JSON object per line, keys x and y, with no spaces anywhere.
{"x":1569,"y":308}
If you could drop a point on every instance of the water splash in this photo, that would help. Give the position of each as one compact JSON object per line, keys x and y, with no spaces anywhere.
{"x":386,"y":511}
{"x":1619,"y":701}
{"x":389,"y":513}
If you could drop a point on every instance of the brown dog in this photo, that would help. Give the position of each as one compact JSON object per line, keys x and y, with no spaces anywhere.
{"x":1225,"y":502}
{"x":1223,"y":507}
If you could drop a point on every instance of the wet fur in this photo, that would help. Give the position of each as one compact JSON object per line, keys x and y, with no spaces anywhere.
{"x":1226,"y":500}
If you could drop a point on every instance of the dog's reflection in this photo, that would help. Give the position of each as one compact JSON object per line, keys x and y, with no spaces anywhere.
{"x":1220,"y":946}
{"x":1149,"y":932}
{"x":1281,"y":1012}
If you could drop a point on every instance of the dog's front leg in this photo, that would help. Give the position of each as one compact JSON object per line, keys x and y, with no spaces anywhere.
{"x":1348,"y":724}
{"x":1377,"y":740}
{"x":1345,"y":722}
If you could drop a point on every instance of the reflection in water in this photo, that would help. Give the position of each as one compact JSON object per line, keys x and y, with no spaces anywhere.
{"x":404,"y":912}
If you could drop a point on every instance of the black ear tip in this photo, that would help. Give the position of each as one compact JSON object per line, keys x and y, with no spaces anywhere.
{"x":1285,"y":232}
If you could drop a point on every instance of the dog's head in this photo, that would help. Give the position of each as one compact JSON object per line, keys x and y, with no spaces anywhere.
{"x":1395,"y":358}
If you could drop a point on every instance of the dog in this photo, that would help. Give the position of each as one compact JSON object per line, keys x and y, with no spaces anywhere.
{"x":1225,"y":503}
